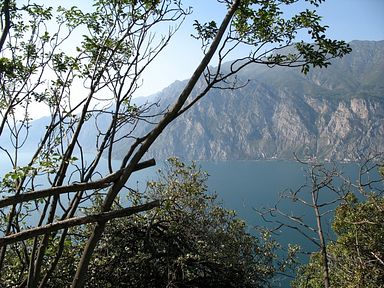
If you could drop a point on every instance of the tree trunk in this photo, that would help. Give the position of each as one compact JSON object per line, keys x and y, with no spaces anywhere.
{"x":79,"y":279}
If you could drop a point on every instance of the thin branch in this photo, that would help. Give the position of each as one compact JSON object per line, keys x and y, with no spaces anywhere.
{"x":79,"y":278}
{"x":55,"y":191}
{"x":7,"y":24}
{"x":72,"y":222}
{"x":378,"y":258}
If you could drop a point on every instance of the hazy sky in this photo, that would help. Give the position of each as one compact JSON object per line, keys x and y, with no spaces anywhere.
{"x":348,"y":20}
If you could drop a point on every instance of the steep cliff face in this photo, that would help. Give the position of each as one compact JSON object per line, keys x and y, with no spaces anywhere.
{"x":335,"y":113}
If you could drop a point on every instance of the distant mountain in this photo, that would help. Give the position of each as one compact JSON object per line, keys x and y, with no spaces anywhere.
{"x":334,"y":113}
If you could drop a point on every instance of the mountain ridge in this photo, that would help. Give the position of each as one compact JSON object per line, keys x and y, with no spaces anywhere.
{"x":331,"y":114}
{"x":335,"y":113}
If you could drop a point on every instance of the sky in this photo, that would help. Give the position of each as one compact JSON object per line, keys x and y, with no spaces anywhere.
{"x":347,"y":20}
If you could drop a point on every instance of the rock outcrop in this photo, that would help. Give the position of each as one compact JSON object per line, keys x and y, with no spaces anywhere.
{"x":334,"y":113}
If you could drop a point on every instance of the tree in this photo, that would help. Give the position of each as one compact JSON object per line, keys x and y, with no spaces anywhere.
{"x":351,"y":256}
{"x":357,"y":254}
{"x":317,"y":196}
{"x":88,"y":84}
{"x":190,"y":240}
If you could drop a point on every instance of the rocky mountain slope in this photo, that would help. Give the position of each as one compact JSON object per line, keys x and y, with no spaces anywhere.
{"x":334,"y":113}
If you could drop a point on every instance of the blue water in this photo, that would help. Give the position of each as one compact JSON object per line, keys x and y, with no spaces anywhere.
{"x":245,"y":185}
{"x":248,"y":185}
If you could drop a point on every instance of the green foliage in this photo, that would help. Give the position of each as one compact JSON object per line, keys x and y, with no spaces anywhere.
{"x":260,"y":22}
{"x":357,"y":254}
{"x":381,"y":171}
{"x":206,"y":30}
{"x":13,"y":262}
{"x":16,"y":261}
{"x":8,"y":67}
{"x":190,"y":241}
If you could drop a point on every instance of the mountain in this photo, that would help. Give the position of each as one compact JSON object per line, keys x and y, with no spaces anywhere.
{"x":334,"y":113}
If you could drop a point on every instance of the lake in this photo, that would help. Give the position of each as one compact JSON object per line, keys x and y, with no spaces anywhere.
{"x":248,"y":185}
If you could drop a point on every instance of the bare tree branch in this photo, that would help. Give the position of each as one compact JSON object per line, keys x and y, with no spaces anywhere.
{"x":6,"y":24}
{"x":72,"y":222}
{"x":55,"y":191}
